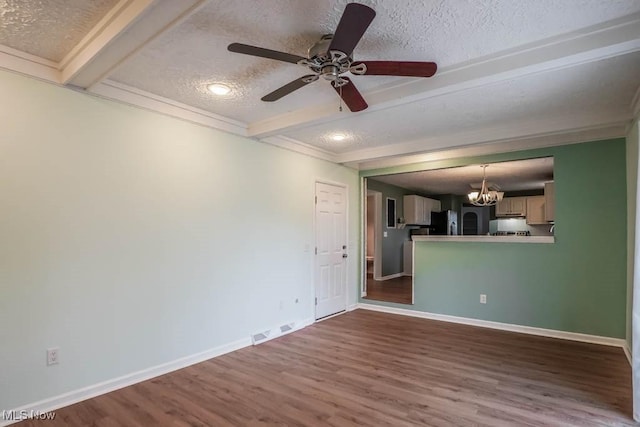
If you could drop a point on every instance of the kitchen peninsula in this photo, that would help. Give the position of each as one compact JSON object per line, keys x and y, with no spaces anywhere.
{"x":486,"y":239}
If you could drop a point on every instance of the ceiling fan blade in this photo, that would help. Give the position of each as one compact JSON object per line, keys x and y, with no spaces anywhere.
{"x":398,"y":68}
{"x":354,"y":22}
{"x":350,"y":95}
{"x":290,"y":87}
{"x":264,"y":53}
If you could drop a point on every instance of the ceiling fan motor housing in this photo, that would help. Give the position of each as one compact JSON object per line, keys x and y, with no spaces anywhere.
{"x":320,"y":50}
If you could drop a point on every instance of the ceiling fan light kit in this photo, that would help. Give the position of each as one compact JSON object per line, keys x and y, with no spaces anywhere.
{"x":332,"y":57}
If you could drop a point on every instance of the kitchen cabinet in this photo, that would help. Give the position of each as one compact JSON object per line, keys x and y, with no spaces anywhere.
{"x":417,"y":209}
{"x":550,"y":201}
{"x":512,"y":206}
{"x":536,"y":210}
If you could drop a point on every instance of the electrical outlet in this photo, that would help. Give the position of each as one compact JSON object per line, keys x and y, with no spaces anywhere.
{"x":384,"y":234}
{"x":483,"y":299}
{"x":52,"y":356}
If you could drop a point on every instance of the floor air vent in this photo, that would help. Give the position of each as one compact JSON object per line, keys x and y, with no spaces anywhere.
{"x":286,"y":328}
{"x":261,"y":337}
{"x":270,"y":334}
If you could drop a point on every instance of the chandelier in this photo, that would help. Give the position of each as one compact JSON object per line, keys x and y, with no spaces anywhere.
{"x":485,"y":197}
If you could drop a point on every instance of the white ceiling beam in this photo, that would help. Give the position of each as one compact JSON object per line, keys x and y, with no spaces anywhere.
{"x":613,"y":38}
{"x":528,"y":133}
{"x":540,"y":141}
{"x":159,"y":18}
{"x":123,"y":14}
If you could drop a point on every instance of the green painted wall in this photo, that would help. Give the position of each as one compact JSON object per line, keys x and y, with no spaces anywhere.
{"x":632,"y":188}
{"x":577,"y":284}
{"x":392,"y":245}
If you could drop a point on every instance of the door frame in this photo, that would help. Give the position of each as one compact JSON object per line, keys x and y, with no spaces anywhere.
{"x":377,"y":235}
{"x":315,"y":244}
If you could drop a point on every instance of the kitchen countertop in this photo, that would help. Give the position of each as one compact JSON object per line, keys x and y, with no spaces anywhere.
{"x":487,"y":239}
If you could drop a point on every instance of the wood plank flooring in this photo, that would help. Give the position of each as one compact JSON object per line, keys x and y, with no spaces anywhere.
{"x":377,"y":369}
{"x":398,"y":290}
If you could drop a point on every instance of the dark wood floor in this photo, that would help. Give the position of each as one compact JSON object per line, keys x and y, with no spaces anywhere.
{"x":398,"y":290}
{"x":369,"y":368}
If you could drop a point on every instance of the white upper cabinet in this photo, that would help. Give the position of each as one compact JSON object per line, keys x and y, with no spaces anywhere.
{"x":512,"y":206}
{"x":417,"y":209}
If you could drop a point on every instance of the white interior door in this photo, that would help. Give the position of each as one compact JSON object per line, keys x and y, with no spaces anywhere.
{"x":331,"y":249}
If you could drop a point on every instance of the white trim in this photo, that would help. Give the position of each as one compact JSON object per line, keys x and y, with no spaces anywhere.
{"x":500,"y":145}
{"x":300,"y":147}
{"x":364,"y":241}
{"x":123,"y":14}
{"x":30,"y":65}
{"x":331,"y":316}
{"x":486,"y":239}
{"x":377,"y":234}
{"x":138,"y":98}
{"x":413,"y":272}
{"x":275,"y":332}
{"x":352,"y":307}
{"x":516,"y":137}
{"x":627,"y":352}
{"x":391,"y":276}
{"x":605,"y":40}
{"x":315,"y":240}
{"x":75,"y":396}
{"x":157,"y":20}
{"x":530,"y":330}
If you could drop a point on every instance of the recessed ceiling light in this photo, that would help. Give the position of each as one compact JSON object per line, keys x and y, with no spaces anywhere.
{"x":339,"y":137}
{"x":219,"y":89}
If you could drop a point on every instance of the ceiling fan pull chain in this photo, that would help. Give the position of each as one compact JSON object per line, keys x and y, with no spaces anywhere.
{"x":340,"y":105}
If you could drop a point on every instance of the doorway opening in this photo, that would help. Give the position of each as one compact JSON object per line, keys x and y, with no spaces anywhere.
{"x":388,"y":271}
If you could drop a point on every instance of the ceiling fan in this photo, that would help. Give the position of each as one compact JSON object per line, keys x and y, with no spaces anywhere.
{"x":331,"y":57}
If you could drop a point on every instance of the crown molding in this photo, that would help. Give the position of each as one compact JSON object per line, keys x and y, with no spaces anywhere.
{"x":530,"y":129}
{"x":34,"y":66}
{"x":550,"y":139}
{"x":612,"y":38}
{"x":138,"y":98}
{"x":300,"y":147}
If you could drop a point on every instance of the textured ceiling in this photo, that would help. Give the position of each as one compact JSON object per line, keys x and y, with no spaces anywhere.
{"x":49,"y":28}
{"x":508,"y":70}
{"x":183,"y":61}
{"x":509,"y":176}
{"x":586,"y":89}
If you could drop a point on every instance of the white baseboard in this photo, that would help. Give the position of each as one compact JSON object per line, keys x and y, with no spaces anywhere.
{"x":276,"y":332}
{"x":627,"y":352}
{"x":352,"y":307}
{"x":531,"y":330}
{"x":75,"y":396}
{"x":389,"y":277}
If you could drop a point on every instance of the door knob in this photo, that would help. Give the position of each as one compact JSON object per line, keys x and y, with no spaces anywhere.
{"x":344,"y":255}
